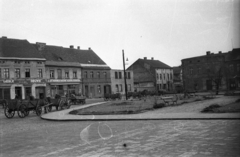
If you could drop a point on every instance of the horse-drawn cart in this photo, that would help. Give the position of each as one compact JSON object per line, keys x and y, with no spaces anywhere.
{"x":22,"y":107}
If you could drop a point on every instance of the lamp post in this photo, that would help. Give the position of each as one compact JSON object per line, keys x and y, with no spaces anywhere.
{"x":124,"y":74}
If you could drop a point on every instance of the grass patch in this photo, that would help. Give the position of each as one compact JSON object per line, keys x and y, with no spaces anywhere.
{"x":230,"y":108}
{"x":117,"y":107}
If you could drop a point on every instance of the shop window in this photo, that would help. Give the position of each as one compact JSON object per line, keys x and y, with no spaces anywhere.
{"x":51,"y":73}
{"x":116,"y":75}
{"x":27,"y":73}
{"x":59,"y":72}
{"x":40,"y":74}
{"x":74,"y":74}
{"x":17,"y":73}
{"x":120,"y":75}
{"x":67,"y":75}
{"x":99,"y":89}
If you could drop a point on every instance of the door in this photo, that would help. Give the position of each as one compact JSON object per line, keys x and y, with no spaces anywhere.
{"x":40,"y":92}
{"x":209,"y":84}
{"x":18,"y":92}
{"x":92,"y":92}
{"x":86,"y":90}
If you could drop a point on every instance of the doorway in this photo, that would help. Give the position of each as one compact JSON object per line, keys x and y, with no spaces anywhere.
{"x":86,"y":91}
{"x":18,"y":92}
{"x":40,"y":92}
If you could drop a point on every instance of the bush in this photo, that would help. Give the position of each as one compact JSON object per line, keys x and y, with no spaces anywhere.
{"x":160,"y":105}
{"x":211,"y":108}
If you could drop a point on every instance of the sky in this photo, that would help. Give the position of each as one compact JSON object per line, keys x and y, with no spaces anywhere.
{"x":167,"y":30}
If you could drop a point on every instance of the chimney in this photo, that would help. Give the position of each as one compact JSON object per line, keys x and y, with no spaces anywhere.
{"x":89,"y":48}
{"x":78,"y":47}
{"x":145,"y":58}
{"x":152,"y":58}
{"x":208,"y":53}
{"x":220,"y":52}
{"x":40,"y":46}
{"x":4,"y":37}
{"x":71,"y":46}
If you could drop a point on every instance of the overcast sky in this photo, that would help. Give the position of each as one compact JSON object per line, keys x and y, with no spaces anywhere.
{"x":168,"y":30}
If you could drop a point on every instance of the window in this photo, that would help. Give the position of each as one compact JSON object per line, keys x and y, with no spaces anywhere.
{"x":39,"y":62}
{"x":6,"y":73}
{"x":67,"y":74}
{"x":164,"y":76}
{"x":120,"y":88}
{"x":129,"y":75}
{"x":59,"y":72}
{"x":105,"y":74}
{"x":129,"y":87}
{"x":27,"y":62}
{"x":157,"y":76}
{"x":51,"y":73}
{"x":74,"y":74}
{"x":40,"y":75}
{"x":116,"y":75}
{"x":17,"y":73}
{"x":99,"y":89}
{"x":98,"y":74}
{"x":120,"y":75}
{"x":17,"y":62}
{"x":168,"y":76}
{"x":171,"y":76}
{"x":160,"y":76}
{"x":85,"y":74}
{"x":91,"y":74}
{"x":0,"y":73}
{"x":117,"y":90}
{"x":191,"y":71}
{"x":27,"y":73}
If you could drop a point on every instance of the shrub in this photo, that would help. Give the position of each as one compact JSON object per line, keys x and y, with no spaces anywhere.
{"x":211,"y":108}
{"x":238,"y":100}
{"x":160,"y":105}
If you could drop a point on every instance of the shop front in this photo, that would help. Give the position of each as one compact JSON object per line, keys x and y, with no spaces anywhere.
{"x":23,"y":88}
{"x":63,"y":87}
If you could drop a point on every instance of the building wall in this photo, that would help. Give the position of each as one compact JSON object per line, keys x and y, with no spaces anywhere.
{"x":61,"y":84}
{"x":164,"y":79}
{"x":22,"y":86}
{"x":95,"y":85}
{"x":118,"y":84}
{"x":198,"y":70}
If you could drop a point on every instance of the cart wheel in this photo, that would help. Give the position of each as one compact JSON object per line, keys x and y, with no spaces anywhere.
{"x":8,"y":112}
{"x":22,"y":111}
{"x":38,"y":110}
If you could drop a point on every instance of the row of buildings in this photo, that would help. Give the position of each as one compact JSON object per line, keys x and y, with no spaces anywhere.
{"x":42,"y":70}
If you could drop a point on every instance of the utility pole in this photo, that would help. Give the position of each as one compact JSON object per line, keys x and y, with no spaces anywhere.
{"x":124,"y":74}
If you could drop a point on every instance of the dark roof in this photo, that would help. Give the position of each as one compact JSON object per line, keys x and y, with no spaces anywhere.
{"x":18,"y":49}
{"x":233,"y":55}
{"x":177,"y":70}
{"x":155,"y":63}
{"x":56,"y":53}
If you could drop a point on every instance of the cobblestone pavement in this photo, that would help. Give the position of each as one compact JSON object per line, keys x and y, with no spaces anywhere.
{"x":32,"y":136}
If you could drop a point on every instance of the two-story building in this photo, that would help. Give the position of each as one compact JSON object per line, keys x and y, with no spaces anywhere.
{"x":22,"y":70}
{"x":152,"y":75}
{"x":73,"y":70}
{"x":213,"y":71}
{"x":118,"y":83}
